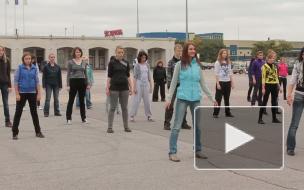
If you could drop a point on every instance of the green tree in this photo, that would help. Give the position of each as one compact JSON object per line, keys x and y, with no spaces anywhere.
{"x":208,"y":49}
{"x":276,"y":46}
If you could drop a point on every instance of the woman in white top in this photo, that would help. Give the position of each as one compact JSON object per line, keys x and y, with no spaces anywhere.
{"x":224,"y":82}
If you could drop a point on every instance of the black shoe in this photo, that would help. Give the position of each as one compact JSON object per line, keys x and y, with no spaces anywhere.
{"x":285,"y":98}
{"x":40,"y":135}
{"x":167,"y":128}
{"x":276,"y":121}
{"x":215,"y":116}
{"x":278,"y":112}
{"x":154,"y":100}
{"x":186,"y":126}
{"x":58,"y":114}
{"x":46,"y":115}
{"x":229,"y":115}
{"x":128,"y":130}
{"x":15,"y":137}
{"x":163,"y":100}
{"x":261,"y":121}
{"x":265,"y":113}
{"x":290,"y":152}
{"x":110,"y":131}
{"x":248,"y":99}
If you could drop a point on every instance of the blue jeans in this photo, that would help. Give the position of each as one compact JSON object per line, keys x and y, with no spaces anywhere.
{"x":297,"y":109}
{"x":181,"y":106}
{"x":88,"y":99}
{"x":48,"y":92}
{"x":4,"y":93}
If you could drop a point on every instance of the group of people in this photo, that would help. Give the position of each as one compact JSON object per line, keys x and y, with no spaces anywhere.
{"x":184,"y":80}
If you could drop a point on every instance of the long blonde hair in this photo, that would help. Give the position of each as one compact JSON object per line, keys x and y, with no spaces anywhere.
{"x":4,"y":55}
{"x":220,"y":58}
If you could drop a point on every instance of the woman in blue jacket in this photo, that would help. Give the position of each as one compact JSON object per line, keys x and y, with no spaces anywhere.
{"x":188,"y":72}
{"x":26,"y":84}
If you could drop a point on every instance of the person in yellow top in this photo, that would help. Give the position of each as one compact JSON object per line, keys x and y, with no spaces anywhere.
{"x":270,"y":84}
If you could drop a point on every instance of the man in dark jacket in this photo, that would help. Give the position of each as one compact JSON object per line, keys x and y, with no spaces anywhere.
{"x":169,"y":112}
{"x":51,"y":81}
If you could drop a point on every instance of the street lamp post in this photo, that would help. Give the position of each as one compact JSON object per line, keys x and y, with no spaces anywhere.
{"x":65,"y":30}
{"x":137,"y":35}
{"x":237,"y":53}
{"x":187,"y":37}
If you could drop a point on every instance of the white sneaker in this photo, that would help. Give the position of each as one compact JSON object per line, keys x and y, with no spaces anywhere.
{"x":69,"y":122}
{"x":40,"y":107}
{"x":23,"y":108}
{"x":85,"y":121}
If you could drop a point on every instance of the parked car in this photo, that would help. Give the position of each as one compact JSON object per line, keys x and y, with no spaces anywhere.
{"x":206,"y":65}
{"x":239,"y":68}
{"x":290,"y":67}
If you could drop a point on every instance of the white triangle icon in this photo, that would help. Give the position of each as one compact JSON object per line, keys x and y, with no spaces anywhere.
{"x":235,"y":138}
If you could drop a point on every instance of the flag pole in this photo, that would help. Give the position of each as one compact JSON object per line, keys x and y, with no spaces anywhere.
{"x":15,"y":30}
{"x":5,"y":3}
{"x":23,"y":18}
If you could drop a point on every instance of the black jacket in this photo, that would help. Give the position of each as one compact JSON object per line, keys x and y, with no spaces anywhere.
{"x":159,"y":74}
{"x":5,"y":73}
{"x":51,"y":76}
{"x":119,"y":72}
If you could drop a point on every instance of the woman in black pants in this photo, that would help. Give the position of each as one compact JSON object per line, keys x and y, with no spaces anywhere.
{"x":224,"y":82}
{"x":77,"y":81}
{"x":159,"y":77}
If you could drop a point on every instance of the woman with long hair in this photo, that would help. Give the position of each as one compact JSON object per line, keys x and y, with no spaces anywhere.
{"x":159,"y":77}
{"x":283,"y":72}
{"x":297,"y":79}
{"x":5,"y":84}
{"x":224,"y":82}
{"x":189,"y":73}
{"x":77,"y":82}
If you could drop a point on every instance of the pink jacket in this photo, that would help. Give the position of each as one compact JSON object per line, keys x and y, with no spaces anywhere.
{"x":283,"y":70}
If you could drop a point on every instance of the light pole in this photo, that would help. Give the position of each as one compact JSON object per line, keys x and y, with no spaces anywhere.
{"x":65,"y":30}
{"x":187,"y":37}
{"x":137,"y":35}
{"x":237,"y":53}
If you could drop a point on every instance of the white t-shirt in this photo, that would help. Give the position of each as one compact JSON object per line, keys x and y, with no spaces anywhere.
{"x":223,"y":71}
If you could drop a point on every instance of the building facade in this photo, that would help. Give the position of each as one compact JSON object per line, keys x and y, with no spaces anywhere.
{"x":177,"y":35}
{"x":98,"y":49}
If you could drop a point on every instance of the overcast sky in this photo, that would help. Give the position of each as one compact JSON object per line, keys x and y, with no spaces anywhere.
{"x":256,"y":19}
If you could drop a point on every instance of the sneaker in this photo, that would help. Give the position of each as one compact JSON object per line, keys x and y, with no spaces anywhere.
{"x":278,"y":112}
{"x":215,"y":116}
{"x":24,"y":109}
{"x":40,"y":135}
{"x":186,"y":126}
{"x":163,"y":100}
{"x":8,"y":124}
{"x":229,"y":115}
{"x":276,"y":121}
{"x":85,"y":121}
{"x":167,"y":128}
{"x":57,"y":114}
{"x":174,"y":158}
{"x":200,"y":155}
{"x":261,"y":121}
{"x":46,"y":115}
{"x":150,"y":118}
{"x":40,"y":107}
{"x":118,"y":112}
{"x":69,"y":122}
{"x":110,"y":131}
{"x":15,"y":137}
{"x":290,"y":152}
{"x":265,"y":113}
{"x":128,"y":130}
{"x":132,"y":119}
{"x":89,"y":107}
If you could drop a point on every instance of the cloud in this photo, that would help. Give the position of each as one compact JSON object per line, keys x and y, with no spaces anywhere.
{"x":256,"y":20}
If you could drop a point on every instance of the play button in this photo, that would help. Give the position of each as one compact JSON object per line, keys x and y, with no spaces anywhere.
{"x":235,"y":138}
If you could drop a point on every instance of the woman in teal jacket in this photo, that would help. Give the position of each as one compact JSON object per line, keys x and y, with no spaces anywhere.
{"x":189,"y":73}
